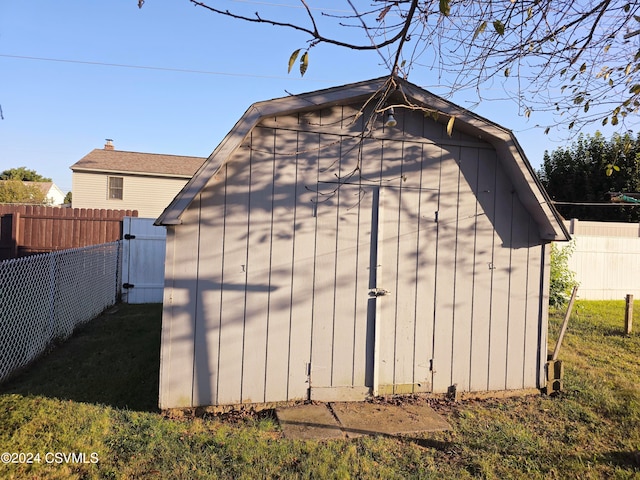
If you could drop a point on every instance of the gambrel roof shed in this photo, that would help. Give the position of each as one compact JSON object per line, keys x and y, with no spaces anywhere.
{"x":323,"y":252}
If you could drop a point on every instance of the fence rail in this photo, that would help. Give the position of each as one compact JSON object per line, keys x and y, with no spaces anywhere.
{"x":32,"y":229}
{"x":43,"y":298}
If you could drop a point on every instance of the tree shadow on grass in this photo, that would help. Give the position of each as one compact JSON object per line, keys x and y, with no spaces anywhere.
{"x":113,"y":360}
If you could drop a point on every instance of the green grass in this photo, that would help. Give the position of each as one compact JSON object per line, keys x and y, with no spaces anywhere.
{"x":97,"y":393}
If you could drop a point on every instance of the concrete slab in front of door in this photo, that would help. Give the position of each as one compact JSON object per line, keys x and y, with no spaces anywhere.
{"x":309,"y":422}
{"x":365,"y":418}
{"x":354,"y":419}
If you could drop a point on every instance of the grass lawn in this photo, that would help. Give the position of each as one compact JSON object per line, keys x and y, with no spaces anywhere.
{"x":95,"y":396}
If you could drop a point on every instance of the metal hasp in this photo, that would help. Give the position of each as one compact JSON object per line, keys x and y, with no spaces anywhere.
{"x":378,"y":292}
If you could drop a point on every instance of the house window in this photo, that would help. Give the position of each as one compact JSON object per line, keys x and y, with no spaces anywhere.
{"x":115,"y":188}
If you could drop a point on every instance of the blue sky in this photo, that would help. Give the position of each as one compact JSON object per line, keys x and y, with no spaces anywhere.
{"x":62,"y":92}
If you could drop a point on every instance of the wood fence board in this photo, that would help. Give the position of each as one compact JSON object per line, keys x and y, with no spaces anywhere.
{"x":31,"y":229}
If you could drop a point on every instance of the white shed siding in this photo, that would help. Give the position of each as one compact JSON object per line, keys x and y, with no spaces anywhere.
{"x":272,"y":299}
{"x":149,"y":195}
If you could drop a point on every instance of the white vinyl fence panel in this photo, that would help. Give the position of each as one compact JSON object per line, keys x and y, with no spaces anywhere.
{"x":43,"y":298}
{"x":606,"y":259}
{"x":142,"y":260}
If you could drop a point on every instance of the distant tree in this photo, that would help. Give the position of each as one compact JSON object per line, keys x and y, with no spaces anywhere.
{"x":67,"y":198}
{"x":23,"y":174}
{"x":588,"y":170}
{"x":16,"y":191}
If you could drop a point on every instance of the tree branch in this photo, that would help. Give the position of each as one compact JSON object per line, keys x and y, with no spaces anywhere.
{"x":316,"y":35}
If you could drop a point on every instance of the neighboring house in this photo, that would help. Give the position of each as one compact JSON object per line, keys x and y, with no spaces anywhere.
{"x":53,"y":195}
{"x":326,"y":251}
{"x":113,"y":179}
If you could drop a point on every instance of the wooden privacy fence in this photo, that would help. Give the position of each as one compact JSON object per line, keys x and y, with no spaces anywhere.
{"x":31,"y":229}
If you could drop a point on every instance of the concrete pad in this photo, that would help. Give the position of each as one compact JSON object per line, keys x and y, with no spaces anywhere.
{"x":364,"y":418}
{"x":308,"y":422}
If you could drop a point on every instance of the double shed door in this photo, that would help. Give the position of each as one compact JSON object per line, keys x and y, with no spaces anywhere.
{"x":373,"y":291}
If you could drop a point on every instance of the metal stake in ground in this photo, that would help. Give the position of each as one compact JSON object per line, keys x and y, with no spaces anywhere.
{"x":556,"y":351}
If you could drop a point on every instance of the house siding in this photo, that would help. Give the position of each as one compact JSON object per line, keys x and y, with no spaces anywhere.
{"x":147,"y":194}
{"x":268,"y":277}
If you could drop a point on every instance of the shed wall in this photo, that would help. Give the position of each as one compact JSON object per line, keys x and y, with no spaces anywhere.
{"x":269,"y":278}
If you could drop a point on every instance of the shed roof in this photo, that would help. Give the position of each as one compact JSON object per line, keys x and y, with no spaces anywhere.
{"x":135,"y":163}
{"x":512,"y":158}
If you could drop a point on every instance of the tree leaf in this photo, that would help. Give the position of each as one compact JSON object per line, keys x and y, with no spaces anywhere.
{"x":383,"y":13}
{"x":445,"y":8}
{"x":479,"y":30}
{"x":304,"y":63}
{"x":450,"y":125}
{"x":499,"y":27}
{"x":583,"y":67}
{"x":292,"y":59}
{"x":546,"y":130}
{"x":614,"y":120}
{"x":507,"y":71}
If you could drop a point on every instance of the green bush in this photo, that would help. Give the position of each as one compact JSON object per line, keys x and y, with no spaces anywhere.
{"x":562,"y":278}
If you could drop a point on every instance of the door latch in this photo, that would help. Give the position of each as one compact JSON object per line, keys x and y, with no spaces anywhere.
{"x":378,"y":292}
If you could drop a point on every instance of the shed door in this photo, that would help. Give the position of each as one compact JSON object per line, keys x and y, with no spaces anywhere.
{"x":373,"y":292}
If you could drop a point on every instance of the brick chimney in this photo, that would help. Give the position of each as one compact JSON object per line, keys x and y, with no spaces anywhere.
{"x":109,"y":144}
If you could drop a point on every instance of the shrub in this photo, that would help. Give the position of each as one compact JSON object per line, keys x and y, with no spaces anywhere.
{"x":562,"y":278}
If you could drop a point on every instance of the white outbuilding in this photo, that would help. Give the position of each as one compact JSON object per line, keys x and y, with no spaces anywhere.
{"x":361,"y":240}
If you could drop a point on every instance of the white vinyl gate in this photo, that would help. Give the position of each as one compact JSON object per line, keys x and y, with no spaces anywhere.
{"x":143,"y":255}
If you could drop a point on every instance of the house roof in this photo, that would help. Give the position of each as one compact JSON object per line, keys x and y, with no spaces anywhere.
{"x":44,"y":187}
{"x":512,"y":158}
{"x":135,"y":163}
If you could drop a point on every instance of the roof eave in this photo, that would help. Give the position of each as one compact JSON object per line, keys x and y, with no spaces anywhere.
{"x":130,"y":172}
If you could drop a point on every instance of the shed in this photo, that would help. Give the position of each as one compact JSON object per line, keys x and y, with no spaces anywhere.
{"x":324,"y":252}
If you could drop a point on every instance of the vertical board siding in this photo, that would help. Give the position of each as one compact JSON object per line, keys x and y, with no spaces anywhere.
{"x":465,"y":269}
{"x":483,"y":273}
{"x":179,"y":336}
{"x":286,"y":236}
{"x":502,"y":267}
{"x":518,"y":295}
{"x":283,"y":199}
{"x":445,"y":269}
{"x":533,"y":351}
{"x":302,"y":274}
{"x":259,"y":232}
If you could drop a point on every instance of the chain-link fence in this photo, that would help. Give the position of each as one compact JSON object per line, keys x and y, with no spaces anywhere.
{"x":44,"y":297}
